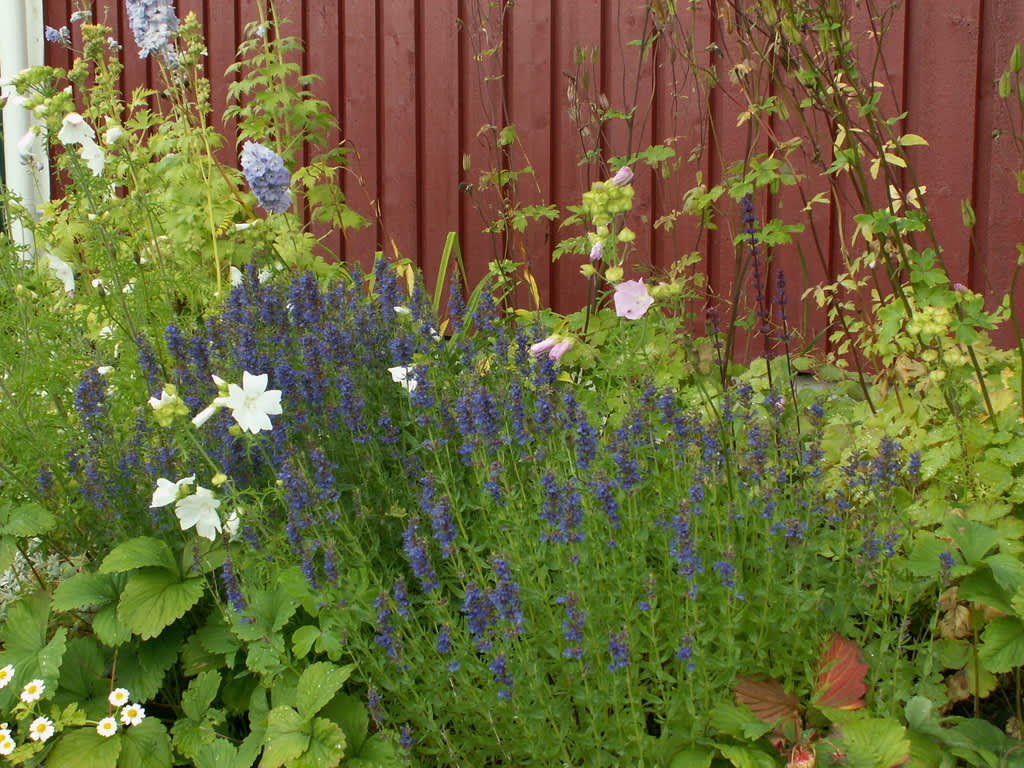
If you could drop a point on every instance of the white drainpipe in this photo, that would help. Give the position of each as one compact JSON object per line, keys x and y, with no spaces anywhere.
{"x":21,"y":46}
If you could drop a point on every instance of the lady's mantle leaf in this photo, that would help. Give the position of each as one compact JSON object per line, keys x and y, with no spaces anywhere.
{"x":767,"y":699}
{"x":841,"y":676}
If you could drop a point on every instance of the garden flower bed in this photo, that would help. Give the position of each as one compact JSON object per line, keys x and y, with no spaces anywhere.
{"x":263,"y":508}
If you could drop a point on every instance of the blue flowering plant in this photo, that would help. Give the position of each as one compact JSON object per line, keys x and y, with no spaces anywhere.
{"x":513,"y":576}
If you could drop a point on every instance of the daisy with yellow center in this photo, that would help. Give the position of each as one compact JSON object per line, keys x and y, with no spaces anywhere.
{"x":132,"y":714}
{"x":41,"y":729}
{"x":6,"y":675}
{"x":7,"y":745}
{"x":106,"y":727}
{"x":32,"y":691}
{"x":119,"y":697}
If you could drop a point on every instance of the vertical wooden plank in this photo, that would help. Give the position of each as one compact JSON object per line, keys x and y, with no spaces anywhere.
{"x":360,"y":117}
{"x":943,"y":39}
{"x":530,"y":63}
{"x":481,"y":104}
{"x":398,"y":127}
{"x":681,"y":123}
{"x":630,"y":88}
{"x":222,"y":39}
{"x":438,"y":145}
{"x":324,"y":58}
{"x":576,"y":25}
{"x":998,"y":204}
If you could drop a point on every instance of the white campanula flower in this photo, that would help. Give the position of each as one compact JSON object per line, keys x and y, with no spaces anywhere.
{"x":132,"y":714}
{"x":199,"y":510}
{"x":167,"y":492}
{"x":119,"y":697}
{"x":632,"y":299}
{"x":252,"y":404}
{"x":106,"y":727}
{"x":41,"y":729}
{"x":32,"y":691}
{"x":74,"y":130}
{"x":401,"y":375}
{"x":267,"y":176}
{"x":7,"y":744}
{"x":6,"y":674}
{"x":154,"y":25}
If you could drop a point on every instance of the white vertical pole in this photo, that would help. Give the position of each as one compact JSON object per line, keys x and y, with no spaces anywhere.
{"x":21,"y":46}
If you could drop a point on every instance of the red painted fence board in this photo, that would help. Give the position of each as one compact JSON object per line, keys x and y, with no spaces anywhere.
{"x":413,"y":81}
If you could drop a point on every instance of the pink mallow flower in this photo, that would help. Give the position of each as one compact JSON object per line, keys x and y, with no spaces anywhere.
{"x":554,"y":346}
{"x":623,"y":177}
{"x":632,"y":299}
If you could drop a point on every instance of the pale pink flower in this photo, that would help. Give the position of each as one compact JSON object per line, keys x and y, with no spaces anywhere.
{"x":597,"y":252}
{"x":632,"y":299}
{"x":623,"y":177}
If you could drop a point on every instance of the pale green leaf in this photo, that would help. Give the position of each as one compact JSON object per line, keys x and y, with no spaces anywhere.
{"x":746,"y":757}
{"x":1002,"y":646}
{"x":875,"y":741}
{"x":84,"y":748}
{"x":326,"y":746}
{"x":913,"y":140}
{"x":200,"y":694}
{"x":303,"y":639}
{"x":138,"y":553}
{"x":317,"y":686}
{"x":85,"y":589}
{"x":27,"y":520}
{"x":287,"y":737}
{"x":145,"y":745}
{"x":155,"y":598}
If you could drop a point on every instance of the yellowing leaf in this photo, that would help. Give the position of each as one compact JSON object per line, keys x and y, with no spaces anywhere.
{"x":913,"y":140}
{"x":895,"y":160}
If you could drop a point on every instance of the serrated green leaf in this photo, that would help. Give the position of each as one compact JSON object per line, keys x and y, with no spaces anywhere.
{"x":286,"y":738}
{"x":155,"y":598}
{"x":923,"y":559}
{"x":351,"y":714}
{"x":695,"y":757}
{"x":27,"y":520}
{"x":303,"y":639}
{"x":317,"y":686}
{"x":326,"y":746}
{"x":1008,"y":571}
{"x":85,"y":589}
{"x":110,"y":630}
{"x":84,"y":748}
{"x":746,"y":757}
{"x":139,"y":552}
{"x":52,"y":654}
{"x":200,"y":694}
{"x":218,"y":754}
{"x":145,"y":745}
{"x":981,"y":587}
{"x":738,"y":722}
{"x":190,"y":736}
{"x":377,"y":752}
{"x":141,"y":665}
{"x":83,"y":671}
{"x":1002,"y":646}
{"x":24,"y":631}
{"x":973,"y":539}
{"x":875,"y":741}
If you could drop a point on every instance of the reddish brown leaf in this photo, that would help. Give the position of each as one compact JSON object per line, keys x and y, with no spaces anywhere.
{"x":841,"y":674}
{"x":767,"y":699}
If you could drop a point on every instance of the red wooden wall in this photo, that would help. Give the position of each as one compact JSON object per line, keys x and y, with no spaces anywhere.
{"x":411,"y":92}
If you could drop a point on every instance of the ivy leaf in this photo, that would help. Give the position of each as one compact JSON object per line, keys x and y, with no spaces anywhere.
{"x":155,"y":598}
{"x":138,"y":553}
{"x":768,"y":700}
{"x":841,"y":673}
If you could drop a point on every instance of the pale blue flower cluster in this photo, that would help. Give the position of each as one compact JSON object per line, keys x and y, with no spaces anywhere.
{"x":154,"y":25}
{"x":269,"y":179}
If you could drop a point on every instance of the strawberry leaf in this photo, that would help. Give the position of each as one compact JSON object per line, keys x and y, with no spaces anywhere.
{"x":841,"y":672}
{"x":767,"y":699}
